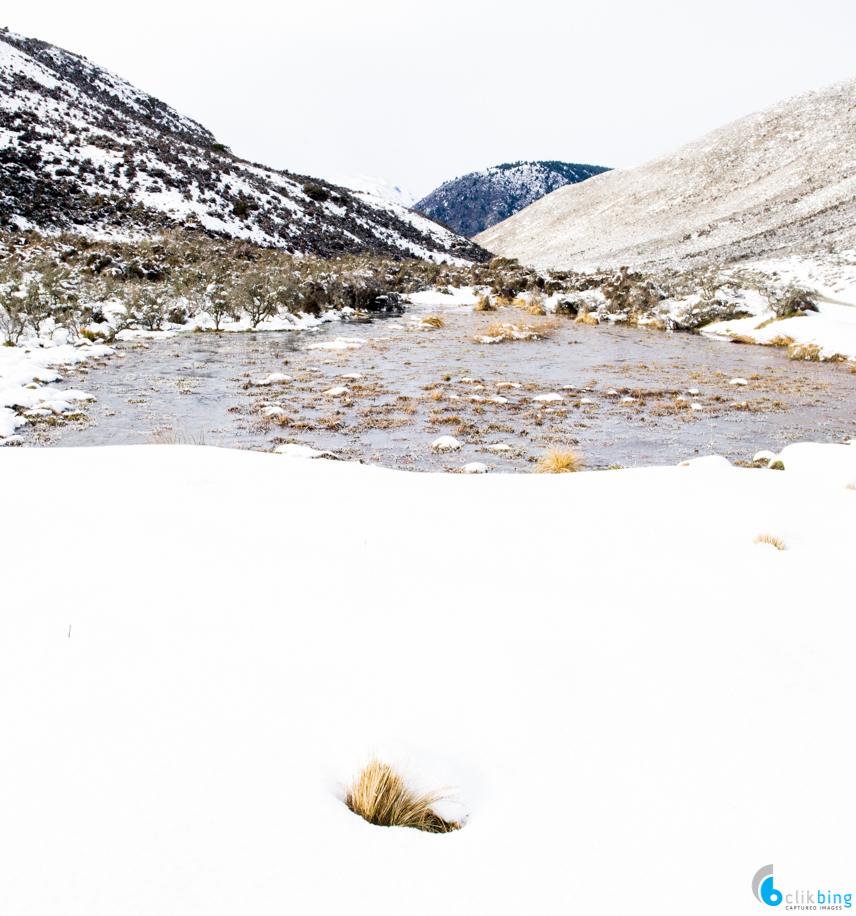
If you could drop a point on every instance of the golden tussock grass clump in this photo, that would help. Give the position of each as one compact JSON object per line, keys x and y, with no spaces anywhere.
{"x":433,"y":321}
{"x":382,"y":796}
{"x":560,"y":461}
{"x":483,"y":304}
{"x":780,"y":341}
{"x":437,"y":394}
{"x":535,"y":306}
{"x":850,"y":486}
{"x":584,"y":317}
{"x":777,"y":542}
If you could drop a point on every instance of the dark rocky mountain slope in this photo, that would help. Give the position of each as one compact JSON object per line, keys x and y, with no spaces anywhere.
{"x":82,"y":150}
{"x":481,"y":199}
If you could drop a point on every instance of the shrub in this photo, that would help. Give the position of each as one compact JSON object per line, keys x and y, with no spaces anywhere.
{"x":316,"y":192}
{"x":12,"y":320}
{"x":560,"y":461}
{"x":258,"y":294}
{"x":382,"y":796}
{"x":240,"y":208}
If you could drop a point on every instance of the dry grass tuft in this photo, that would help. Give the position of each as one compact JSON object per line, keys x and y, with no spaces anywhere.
{"x":484,"y":305}
{"x":560,"y":461}
{"x":850,"y":486}
{"x":777,"y":542}
{"x":382,"y":796}
{"x":585,"y":318}
{"x":179,"y":437}
{"x":433,"y":321}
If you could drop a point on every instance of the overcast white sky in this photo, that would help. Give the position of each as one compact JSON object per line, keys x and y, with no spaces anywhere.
{"x":422,"y":93}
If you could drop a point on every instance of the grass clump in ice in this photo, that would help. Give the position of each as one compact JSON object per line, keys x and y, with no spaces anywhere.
{"x":171,"y":436}
{"x":381,"y":795}
{"x":433,"y":321}
{"x":483,"y":304}
{"x":560,"y":461}
{"x":771,"y":539}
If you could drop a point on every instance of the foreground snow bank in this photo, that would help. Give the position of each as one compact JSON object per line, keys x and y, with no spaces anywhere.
{"x":638,"y":705}
{"x":829,"y":333}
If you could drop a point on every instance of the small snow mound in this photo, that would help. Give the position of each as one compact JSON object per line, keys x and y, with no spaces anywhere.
{"x":738,"y":381}
{"x":835,"y":464}
{"x":446,"y":443}
{"x":765,"y":455}
{"x":499,"y":447}
{"x":547,"y":397}
{"x":337,"y":391}
{"x":475,"y":467}
{"x":269,"y":379}
{"x":340,"y":343}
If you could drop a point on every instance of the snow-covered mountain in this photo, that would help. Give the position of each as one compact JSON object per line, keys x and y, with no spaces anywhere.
{"x":481,"y":199}
{"x":375,"y":187}
{"x":81,"y":149}
{"x":777,"y":183}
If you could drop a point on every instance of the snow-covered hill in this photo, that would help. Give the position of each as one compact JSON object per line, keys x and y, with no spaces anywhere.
{"x":81,"y":149}
{"x":481,"y":199}
{"x":376,"y":187}
{"x":780,"y":182}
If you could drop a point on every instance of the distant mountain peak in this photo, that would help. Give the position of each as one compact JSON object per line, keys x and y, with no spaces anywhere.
{"x":474,"y":202}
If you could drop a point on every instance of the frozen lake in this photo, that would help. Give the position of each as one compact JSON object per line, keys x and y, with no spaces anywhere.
{"x":417,"y":383}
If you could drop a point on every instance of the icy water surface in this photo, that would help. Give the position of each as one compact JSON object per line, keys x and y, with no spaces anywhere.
{"x":416,"y":384}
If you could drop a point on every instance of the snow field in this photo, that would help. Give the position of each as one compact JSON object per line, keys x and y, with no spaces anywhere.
{"x":637,"y":705}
